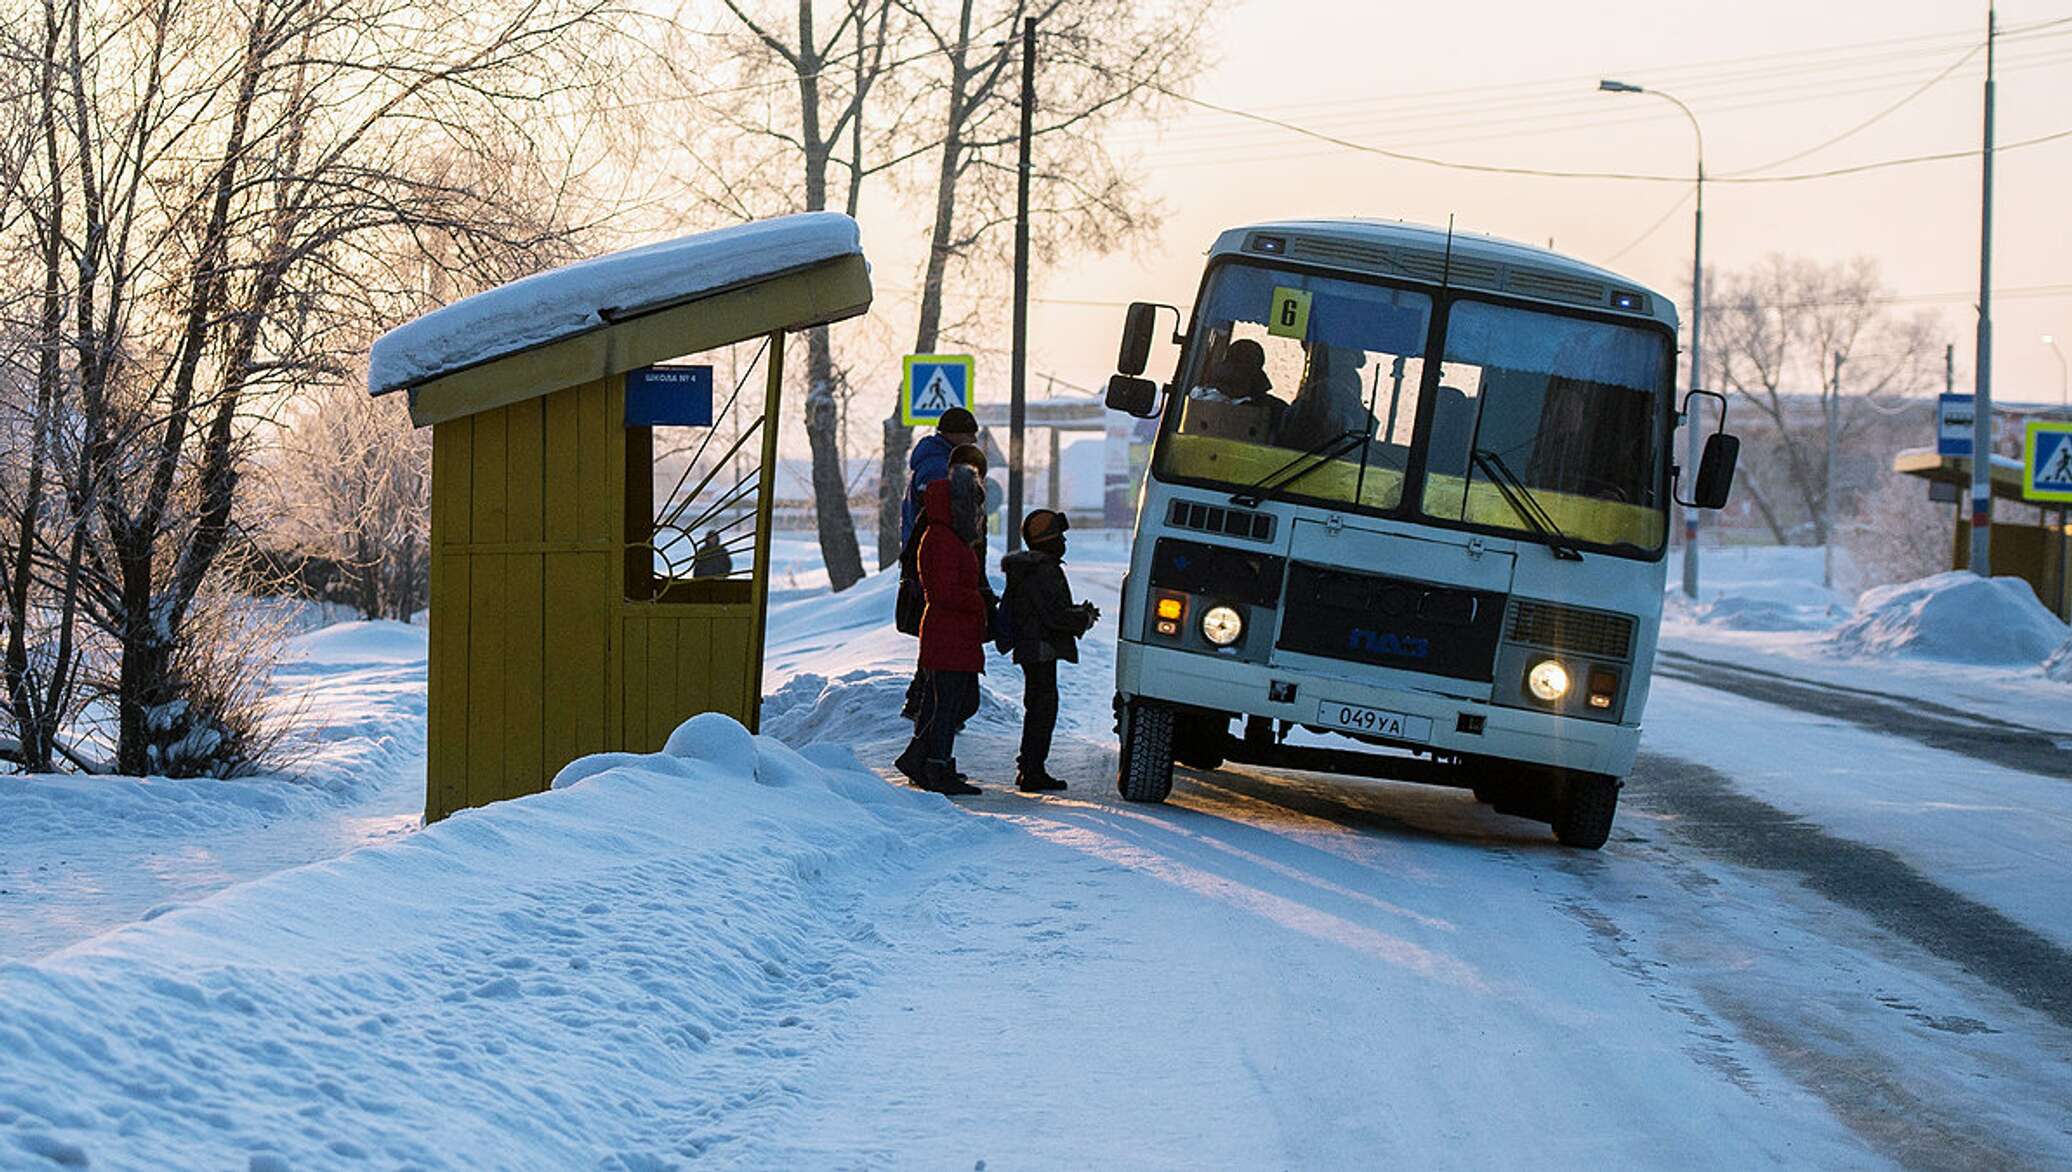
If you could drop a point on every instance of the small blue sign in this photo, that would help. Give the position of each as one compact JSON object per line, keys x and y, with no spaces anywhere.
{"x":669,"y":396}
{"x":1953,"y":420}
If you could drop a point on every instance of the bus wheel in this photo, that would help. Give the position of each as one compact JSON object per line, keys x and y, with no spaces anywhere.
{"x":1145,"y":772}
{"x":1584,"y":816}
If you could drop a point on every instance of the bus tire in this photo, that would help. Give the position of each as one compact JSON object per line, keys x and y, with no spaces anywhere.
{"x":1145,"y":771}
{"x":1583,"y":818}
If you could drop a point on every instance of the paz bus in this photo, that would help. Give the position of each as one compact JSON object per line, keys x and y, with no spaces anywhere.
{"x":1405,"y":517}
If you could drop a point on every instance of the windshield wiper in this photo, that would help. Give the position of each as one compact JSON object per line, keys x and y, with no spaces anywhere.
{"x":1527,"y":506}
{"x":1311,"y":460}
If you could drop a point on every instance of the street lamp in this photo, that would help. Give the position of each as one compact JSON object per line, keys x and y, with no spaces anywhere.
{"x":1692,"y":447}
{"x":2064,"y":373}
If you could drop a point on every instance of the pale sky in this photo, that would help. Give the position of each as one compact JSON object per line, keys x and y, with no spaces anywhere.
{"x":1516,"y":86}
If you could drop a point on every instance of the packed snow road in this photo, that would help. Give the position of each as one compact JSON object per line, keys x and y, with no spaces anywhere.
{"x":1813,"y":939}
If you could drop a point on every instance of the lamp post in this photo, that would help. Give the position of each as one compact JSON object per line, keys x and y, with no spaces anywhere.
{"x":2064,"y":372}
{"x":1692,"y":447}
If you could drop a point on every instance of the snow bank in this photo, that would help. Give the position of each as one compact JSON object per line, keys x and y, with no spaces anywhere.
{"x":627,"y":971}
{"x":1783,"y":604}
{"x":1955,"y":616}
{"x":359,"y":642}
{"x":547,"y":307}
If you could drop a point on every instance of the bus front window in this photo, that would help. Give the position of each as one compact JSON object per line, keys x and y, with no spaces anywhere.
{"x":1285,"y":362}
{"x":1571,"y":407}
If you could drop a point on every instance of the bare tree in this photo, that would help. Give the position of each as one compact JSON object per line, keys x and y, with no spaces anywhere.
{"x":226,"y":187}
{"x":797,"y":97}
{"x":350,"y":486}
{"x":1791,"y":334}
{"x":1098,"y":63}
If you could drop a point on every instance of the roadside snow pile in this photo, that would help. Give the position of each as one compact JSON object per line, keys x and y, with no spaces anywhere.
{"x":1955,"y":616}
{"x":560,"y":303}
{"x":358,"y":642}
{"x":1778,"y":605}
{"x":629,"y":971}
{"x":862,"y":706}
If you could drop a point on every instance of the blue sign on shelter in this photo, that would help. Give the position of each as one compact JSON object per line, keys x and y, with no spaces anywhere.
{"x":669,"y":396}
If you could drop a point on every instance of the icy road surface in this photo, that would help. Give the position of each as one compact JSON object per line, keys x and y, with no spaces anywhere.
{"x":1818,"y":937}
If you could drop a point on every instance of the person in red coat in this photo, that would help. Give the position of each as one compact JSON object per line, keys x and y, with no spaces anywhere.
{"x":953,"y":632}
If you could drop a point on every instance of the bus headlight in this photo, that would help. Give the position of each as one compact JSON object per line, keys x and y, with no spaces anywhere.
{"x":1222,"y":625}
{"x":1548,"y":681}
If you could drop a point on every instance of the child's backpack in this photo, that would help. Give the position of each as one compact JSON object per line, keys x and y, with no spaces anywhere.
{"x":1005,"y":634}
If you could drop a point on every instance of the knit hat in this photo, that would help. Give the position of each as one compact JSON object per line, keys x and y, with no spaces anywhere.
{"x":957,"y":421}
{"x":1044,"y":525}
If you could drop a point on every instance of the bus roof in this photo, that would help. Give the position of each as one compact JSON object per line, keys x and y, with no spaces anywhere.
{"x":1418,"y":252}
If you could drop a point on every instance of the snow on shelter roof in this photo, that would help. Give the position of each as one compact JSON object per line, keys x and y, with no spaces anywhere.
{"x":591,"y":294}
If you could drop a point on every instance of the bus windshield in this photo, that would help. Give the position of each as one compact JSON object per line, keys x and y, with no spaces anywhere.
{"x":1567,"y":405}
{"x":1284,"y":363}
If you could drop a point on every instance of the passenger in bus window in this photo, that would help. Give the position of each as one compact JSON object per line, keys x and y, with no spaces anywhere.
{"x":1330,"y":402}
{"x":1237,"y":377}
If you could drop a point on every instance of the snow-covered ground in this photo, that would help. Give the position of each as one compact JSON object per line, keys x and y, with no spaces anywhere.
{"x":757,"y":953}
{"x":82,"y":855}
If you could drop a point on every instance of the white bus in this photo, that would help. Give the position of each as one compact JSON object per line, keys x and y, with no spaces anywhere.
{"x":1405,"y":517}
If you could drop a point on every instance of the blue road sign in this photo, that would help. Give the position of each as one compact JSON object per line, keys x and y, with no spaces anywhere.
{"x":934,"y":383}
{"x":669,"y":396}
{"x":2047,"y":462}
{"x":1953,"y":416}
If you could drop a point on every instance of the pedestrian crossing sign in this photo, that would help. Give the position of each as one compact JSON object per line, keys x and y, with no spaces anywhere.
{"x":2047,"y":462}
{"x":933,"y":384}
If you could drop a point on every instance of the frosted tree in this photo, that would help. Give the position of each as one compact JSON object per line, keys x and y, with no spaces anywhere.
{"x":226,"y":189}
{"x":1775,"y":334}
{"x":1097,"y":63}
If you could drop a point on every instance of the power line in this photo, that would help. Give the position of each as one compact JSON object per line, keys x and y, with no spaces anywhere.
{"x":1553,"y":173}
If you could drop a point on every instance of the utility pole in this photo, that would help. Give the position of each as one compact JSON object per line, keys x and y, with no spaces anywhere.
{"x":1950,"y":369}
{"x":1982,"y":403}
{"x":1018,"y":403}
{"x":1834,"y":453}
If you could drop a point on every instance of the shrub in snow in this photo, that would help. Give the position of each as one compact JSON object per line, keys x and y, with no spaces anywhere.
{"x":1955,"y":616}
{"x":217,"y":719}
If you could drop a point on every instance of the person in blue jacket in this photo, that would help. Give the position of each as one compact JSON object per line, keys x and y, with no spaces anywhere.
{"x":930,"y":462}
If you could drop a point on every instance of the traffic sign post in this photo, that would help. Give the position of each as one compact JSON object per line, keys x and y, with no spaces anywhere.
{"x":1953,"y":425}
{"x":932,"y":384}
{"x":2047,"y":462}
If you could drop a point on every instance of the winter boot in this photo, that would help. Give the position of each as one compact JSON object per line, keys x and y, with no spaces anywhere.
{"x":941,"y":777}
{"x":1036,"y":780}
{"x":911,"y":763}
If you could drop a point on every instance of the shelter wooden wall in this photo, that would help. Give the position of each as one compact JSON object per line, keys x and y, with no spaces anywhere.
{"x":537,"y":655}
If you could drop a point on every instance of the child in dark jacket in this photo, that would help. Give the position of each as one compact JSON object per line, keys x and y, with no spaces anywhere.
{"x":1047,"y":626}
{"x":953,"y":631}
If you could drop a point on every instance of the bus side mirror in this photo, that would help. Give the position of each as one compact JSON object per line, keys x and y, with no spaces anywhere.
{"x":1716,"y":467}
{"x":1137,"y":328}
{"x":1132,"y":395}
{"x":1716,"y":470}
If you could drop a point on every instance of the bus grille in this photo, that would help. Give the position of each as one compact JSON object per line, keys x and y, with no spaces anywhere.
{"x":1251,"y":526}
{"x":1564,"y":628}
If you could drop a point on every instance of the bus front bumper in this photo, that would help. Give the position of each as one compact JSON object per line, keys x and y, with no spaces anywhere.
{"x":1194,"y":680}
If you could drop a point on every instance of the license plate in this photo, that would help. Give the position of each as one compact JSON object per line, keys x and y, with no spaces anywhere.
{"x":1379,"y":722}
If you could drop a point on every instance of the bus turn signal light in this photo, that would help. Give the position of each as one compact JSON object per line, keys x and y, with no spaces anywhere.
{"x":1170,"y":608}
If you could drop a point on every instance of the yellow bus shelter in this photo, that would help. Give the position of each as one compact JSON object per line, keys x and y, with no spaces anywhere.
{"x":555,"y":633}
{"x":2039,"y":553}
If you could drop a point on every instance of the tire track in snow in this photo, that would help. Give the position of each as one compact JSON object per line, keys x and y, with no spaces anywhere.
{"x":1935,"y":725}
{"x":1734,"y":827}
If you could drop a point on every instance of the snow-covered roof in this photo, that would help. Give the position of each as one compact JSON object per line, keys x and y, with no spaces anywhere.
{"x":590,"y":294}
